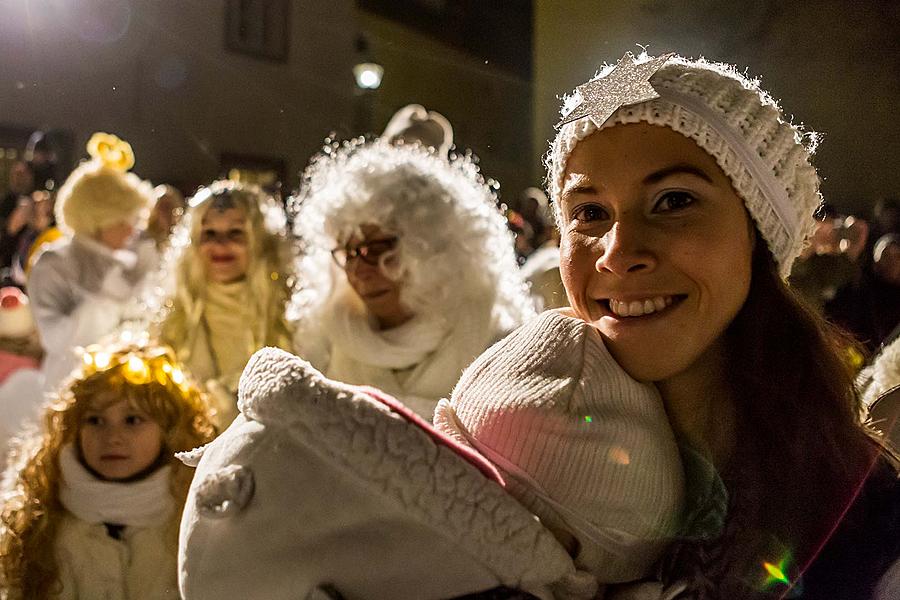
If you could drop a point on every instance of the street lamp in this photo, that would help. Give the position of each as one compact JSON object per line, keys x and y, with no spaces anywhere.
{"x":368,"y":75}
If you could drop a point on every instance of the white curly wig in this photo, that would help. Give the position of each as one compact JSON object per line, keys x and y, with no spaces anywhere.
{"x":453,"y":244}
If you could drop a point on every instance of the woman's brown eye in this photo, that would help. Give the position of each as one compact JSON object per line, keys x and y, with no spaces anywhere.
{"x":591,"y":212}
{"x":674,"y":201}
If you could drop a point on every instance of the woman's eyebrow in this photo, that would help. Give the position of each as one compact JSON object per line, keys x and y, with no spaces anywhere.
{"x":678,"y":169}
{"x":578,"y":184}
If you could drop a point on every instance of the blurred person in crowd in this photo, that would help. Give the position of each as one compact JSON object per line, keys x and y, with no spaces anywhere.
{"x":43,"y":226}
{"x":84,"y":285}
{"x":40,"y":231}
{"x":522,"y":232}
{"x":885,"y":219}
{"x":832,"y":259}
{"x":409,"y":272}
{"x":96,"y":494}
{"x":534,"y":207}
{"x":870,"y":307}
{"x":15,"y":213}
{"x":21,"y":183}
{"x":42,"y":157}
{"x":232,"y":263}
{"x":541,"y":260}
{"x":165,"y":215}
{"x":20,"y":355}
{"x":887,"y":216}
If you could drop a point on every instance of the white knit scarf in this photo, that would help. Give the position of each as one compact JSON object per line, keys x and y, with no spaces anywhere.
{"x":434,"y":350}
{"x":355,"y":334}
{"x":144,"y":503}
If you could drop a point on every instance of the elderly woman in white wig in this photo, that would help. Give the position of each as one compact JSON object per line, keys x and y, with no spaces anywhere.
{"x":232,"y":262}
{"x":409,"y":272}
{"x":84,"y":285}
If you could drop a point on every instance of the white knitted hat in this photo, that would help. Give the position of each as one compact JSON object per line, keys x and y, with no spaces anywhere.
{"x":737,"y":123}
{"x":585,"y":447}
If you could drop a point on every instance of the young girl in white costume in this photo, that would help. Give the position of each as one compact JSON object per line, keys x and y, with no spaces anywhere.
{"x":95,"y":498}
{"x":232,"y":264}
{"x":82,"y":286}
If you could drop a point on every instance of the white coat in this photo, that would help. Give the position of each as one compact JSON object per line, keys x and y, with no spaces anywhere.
{"x":95,"y":566}
{"x":81,"y":291}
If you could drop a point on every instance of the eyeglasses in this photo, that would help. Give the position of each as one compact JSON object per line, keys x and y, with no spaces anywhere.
{"x":369,"y":252}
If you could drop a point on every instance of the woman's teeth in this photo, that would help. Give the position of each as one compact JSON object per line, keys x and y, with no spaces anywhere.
{"x":639,"y":308}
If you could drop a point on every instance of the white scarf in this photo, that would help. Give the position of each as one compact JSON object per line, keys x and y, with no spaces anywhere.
{"x":401,"y":347}
{"x":144,"y":503}
{"x":432,"y":351}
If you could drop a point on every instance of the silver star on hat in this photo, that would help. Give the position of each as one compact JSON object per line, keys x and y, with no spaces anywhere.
{"x":627,"y":84}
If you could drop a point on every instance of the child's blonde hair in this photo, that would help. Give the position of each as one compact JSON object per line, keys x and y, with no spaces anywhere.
{"x":150,"y":379}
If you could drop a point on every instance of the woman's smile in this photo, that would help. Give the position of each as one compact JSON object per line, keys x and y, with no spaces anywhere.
{"x":641,"y":306}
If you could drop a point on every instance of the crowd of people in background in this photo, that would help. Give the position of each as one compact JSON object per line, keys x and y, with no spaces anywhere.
{"x":134,"y":309}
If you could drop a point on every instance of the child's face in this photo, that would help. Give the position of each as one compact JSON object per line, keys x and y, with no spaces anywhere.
{"x":119,"y":440}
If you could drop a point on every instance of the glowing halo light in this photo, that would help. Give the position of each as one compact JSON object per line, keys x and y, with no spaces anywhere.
{"x":135,"y":364}
{"x":101,"y":360}
{"x":136,"y":370}
{"x":368,"y":75}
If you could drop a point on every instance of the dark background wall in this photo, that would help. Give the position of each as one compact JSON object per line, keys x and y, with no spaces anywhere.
{"x":159,"y":75}
{"x":834,"y":65}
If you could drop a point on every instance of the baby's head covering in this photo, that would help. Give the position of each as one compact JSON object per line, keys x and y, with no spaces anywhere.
{"x":584,"y":446}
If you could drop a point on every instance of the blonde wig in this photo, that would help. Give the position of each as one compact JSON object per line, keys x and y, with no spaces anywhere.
{"x":102,"y":192}
{"x":151,"y":380}
{"x":269,"y":272}
{"x":453,"y":246}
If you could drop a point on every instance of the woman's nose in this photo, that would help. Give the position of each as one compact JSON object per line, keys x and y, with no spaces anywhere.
{"x":624,"y":250}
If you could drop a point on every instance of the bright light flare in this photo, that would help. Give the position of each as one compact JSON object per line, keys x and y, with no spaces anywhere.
{"x":368,"y":75}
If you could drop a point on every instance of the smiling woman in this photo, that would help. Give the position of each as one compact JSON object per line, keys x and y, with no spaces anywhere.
{"x":683,"y":196}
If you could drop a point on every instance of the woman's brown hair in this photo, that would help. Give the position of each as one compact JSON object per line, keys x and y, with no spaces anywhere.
{"x":801,"y":452}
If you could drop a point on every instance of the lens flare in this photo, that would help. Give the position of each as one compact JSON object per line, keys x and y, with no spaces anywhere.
{"x":776,"y":572}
